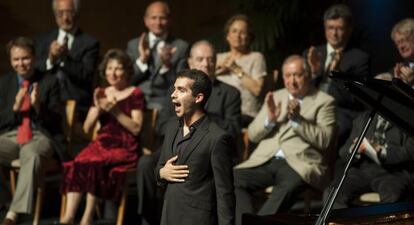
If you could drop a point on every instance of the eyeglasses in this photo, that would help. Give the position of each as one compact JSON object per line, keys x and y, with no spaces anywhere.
{"x":61,"y":13}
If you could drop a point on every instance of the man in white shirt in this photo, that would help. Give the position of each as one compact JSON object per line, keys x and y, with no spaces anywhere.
{"x":70,"y":54}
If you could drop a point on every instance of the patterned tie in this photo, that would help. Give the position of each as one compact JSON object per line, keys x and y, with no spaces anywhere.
{"x":65,"y":41}
{"x":24,"y":131}
{"x":379,"y":133}
{"x":332,"y":65}
{"x":335,"y":60}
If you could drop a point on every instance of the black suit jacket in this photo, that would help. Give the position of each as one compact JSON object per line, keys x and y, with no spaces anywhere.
{"x":223,"y":107}
{"x":400,"y":150}
{"x":207,"y":195}
{"x":79,"y":66}
{"x":48,"y":120}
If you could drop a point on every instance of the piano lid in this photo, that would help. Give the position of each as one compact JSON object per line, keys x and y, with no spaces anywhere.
{"x":394,"y":100}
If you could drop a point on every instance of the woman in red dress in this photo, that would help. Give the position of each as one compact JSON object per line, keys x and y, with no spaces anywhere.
{"x":98,"y":170}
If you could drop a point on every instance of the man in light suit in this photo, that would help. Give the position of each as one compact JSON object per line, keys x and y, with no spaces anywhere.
{"x":293,"y":130}
{"x":195,"y":163}
{"x":70,"y":54}
{"x":158,"y":56}
{"x":29,"y":121}
{"x":338,"y":54}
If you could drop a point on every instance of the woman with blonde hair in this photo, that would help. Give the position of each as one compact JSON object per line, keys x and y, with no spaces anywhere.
{"x":241,"y":67}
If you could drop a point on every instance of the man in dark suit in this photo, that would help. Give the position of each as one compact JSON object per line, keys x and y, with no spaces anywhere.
{"x":70,"y":54}
{"x":29,"y":119}
{"x":157,"y":56}
{"x":337,"y":54}
{"x":195,"y":163}
{"x":384,"y":162}
{"x":223,"y":107}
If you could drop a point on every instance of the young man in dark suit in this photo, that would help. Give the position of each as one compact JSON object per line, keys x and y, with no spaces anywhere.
{"x":70,"y":54}
{"x":29,"y":120}
{"x":223,"y":107}
{"x":195,"y":162}
{"x":338,"y":54}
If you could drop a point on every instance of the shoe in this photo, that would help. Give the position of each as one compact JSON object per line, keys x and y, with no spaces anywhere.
{"x":8,"y":221}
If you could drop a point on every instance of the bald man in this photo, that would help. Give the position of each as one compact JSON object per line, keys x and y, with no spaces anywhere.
{"x":157,"y":56}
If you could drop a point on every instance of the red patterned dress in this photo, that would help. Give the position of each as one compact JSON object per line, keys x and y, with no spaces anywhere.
{"x":99,"y":168}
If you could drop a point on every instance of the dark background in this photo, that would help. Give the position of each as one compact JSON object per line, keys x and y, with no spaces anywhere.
{"x":282,"y":27}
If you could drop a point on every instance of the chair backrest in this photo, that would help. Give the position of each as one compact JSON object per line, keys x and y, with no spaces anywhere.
{"x":147,"y":137}
{"x":94,"y":132}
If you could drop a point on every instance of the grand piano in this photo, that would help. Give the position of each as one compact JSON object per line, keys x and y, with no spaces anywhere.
{"x":398,"y":213}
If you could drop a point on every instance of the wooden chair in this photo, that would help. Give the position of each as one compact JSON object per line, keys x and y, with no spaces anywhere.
{"x":51,"y":165}
{"x":147,"y":140}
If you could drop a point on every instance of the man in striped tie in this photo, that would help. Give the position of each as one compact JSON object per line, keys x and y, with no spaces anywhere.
{"x":29,"y":117}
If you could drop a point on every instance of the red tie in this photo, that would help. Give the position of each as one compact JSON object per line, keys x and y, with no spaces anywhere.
{"x":24,"y":132}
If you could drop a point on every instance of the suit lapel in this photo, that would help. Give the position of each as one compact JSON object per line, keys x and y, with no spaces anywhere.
{"x":76,"y":42}
{"x":14,"y":85}
{"x":324,"y":54}
{"x":284,"y":102}
{"x":171,"y":138}
{"x":215,"y":94}
{"x":200,"y":133}
{"x":307,"y":101}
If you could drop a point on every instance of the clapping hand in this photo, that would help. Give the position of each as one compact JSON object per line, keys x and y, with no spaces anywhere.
{"x":57,"y":51}
{"x":361,"y":148}
{"x":34,"y":96}
{"x":404,"y":73}
{"x":97,"y":94}
{"x":273,"y":112}
{"x":107,"y":104}
{"x":314,"y":60}
{"x":166,"y":52}
{"x":224,"y":67}
{"x":103,"y":102}
{"x":19,"y":99}
{"x":143,"y":48}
